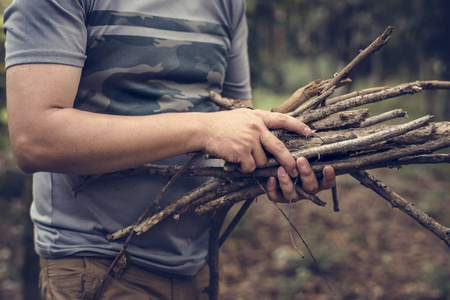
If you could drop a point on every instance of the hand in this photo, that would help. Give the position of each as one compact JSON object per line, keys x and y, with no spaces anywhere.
{"x":241,"y":135}
{"x":308,"y":180}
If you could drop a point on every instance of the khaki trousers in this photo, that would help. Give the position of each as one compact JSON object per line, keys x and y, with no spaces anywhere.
{"x":79,"y":278}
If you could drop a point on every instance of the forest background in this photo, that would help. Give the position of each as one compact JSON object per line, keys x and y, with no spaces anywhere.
{"x":367,"y":250}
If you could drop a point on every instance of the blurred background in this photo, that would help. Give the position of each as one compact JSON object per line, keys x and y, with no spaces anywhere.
{"x":367,"y":250}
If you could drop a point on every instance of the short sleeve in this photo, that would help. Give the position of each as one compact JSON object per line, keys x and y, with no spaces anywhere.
{"x":45,"y":31}
{"x":237,"y":77}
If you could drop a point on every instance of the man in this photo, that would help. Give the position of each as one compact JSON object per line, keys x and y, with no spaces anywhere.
{"x":100,"y":86}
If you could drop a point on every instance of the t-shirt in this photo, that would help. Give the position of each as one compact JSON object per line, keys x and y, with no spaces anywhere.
{"x":138,"y":57}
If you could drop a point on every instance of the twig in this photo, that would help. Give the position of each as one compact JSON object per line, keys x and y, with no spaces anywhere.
{"x":425,"y":159}
{"x":389,"y":115}
{"x":236,"y":219}
{"x":342,"y":120}
{"x":300,"y":96}
{"x":335,"y":199}
{"x":213,"y":251}
{"x":311,"y":104}
{"x":323,"y":112}
{"x":311,"y":197}
{"x":229,"y":199}
{"x":226,"y":103}
{"x":306,"y":245}
{"x":113,"y":264}
{"x":336,"y":99}
{"x":376,"y":45}
{"x":208,"y":191}
{"x":131,"y":234}
{"x":398,"y":202}
{"x":345,"y":146}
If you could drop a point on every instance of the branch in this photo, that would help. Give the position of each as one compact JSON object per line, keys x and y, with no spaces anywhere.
{"x":400,"y":90}
{"x":390,"y":115}
{"x":398,"y":202}
{"x":213,"y":251}
{"x":300,"y":96}
{"x":354,"y":94}
{"x":376,"y":45}
{"x":355,"y":144}
{"x":342,"y":120}
{"x":226,"y":103}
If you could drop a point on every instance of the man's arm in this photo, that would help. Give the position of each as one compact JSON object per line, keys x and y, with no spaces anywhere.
{"x":47,"y":134}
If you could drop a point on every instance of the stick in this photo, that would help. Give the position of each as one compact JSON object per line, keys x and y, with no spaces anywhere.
{"x":213,"y":252}
{"x":226,"y":103}
{"x":390,"y":115}
{"x":408,"y":208}
{"x":311,"y":104}
{"x":300,"y":96}
{"x":376,"y":45}
{"x":342,"y":120}
{"x":155,"y":204}
{"x":236,"y":219}
{"x":230,"y":199}
{"x":354,"y":94}
{"x":345,"y":146}
{"x":400,"y":90}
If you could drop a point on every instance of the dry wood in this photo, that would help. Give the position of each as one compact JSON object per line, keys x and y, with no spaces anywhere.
{"x":312,"y":104}
{"x":397,"y":91}
{"x":389,"y":158}
{"x":376,"y":45}
{"x":226,"y":103}
{"x":213,"y":251}
{"x":408,"y":208}
{"x":354,"y":94}
{"x":428,"y":132}
{"x":193,"y":199}
{"x":303,"y":94}
{"x":342,"y":120}
{"x":235,"y":220}
{"x":230,"y":199}
{"x":389,"y":115}
{"x":425,"y":159}
{"x":354,"y":144}
{"x":300,"y":96}
{"x":342,"y":75}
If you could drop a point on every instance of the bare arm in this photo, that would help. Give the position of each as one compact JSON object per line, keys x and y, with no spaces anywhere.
{"x":47,"y":134}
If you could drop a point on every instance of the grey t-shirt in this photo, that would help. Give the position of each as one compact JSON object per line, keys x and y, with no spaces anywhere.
{"x":138,"y":57}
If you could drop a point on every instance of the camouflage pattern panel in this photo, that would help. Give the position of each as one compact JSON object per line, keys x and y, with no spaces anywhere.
{"x":140,"y":64}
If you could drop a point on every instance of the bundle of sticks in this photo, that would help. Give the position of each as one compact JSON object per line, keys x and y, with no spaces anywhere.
{"x":343,"y":137}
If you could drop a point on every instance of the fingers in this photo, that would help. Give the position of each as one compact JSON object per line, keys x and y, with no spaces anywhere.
{"x":309,"y":181}
{"x":279,"y":120}
{"x":275,"y":146}
{"x":257,"y":158}
{"x":279,"y":150}
{"x":272,"y":191}
{"x":329,"y":178}
{"x":286,"y":186}
{"x":247,"y":164}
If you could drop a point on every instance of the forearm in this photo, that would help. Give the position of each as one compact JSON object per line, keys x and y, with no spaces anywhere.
{"x":78,"y":142}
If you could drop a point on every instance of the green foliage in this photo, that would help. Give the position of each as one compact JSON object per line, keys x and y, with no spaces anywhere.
{"x":305,"y":30}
